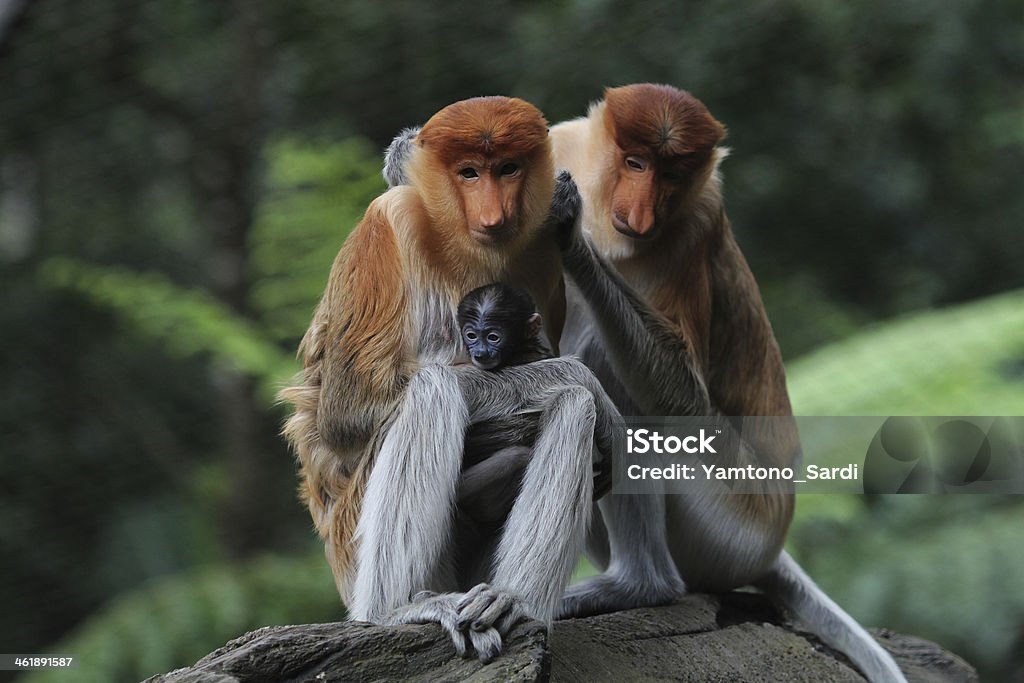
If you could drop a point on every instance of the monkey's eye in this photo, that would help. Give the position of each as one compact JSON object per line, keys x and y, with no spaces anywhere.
{"x":469,"y":173}
{"x":636,"y":164}
{"x":493,"y":337}
{"x":470,"y":335}
{"x":510,"y":169}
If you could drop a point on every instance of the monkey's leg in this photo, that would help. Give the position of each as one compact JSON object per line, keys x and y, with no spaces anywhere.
{"x":405,"y":526}
{"x":534,"y":560}
{"x":641,"y":571}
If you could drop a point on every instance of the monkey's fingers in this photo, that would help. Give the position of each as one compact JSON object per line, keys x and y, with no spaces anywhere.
{"x":471,"y":612}
{"x":565,"y":208}
{"x":471,"y":595}
{"x":424,"y":595}
{"x":502,"y":613}
{"x":509,"y":619}
{"x":434,"y":609}
{"x":501,"y":605}
{"x":487,"y":644}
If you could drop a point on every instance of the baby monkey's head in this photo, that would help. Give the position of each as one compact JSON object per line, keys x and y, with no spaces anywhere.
{"x":496,"y":322}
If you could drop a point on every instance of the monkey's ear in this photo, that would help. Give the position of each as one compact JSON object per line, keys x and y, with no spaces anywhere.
{"x":533,"y":326}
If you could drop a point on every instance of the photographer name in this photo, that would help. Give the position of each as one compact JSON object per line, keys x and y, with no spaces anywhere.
{"x":682,"y":472}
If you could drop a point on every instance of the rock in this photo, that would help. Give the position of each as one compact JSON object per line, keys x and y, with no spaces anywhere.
{"x":731,"y":637}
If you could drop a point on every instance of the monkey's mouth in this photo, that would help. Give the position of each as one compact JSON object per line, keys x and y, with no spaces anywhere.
{"x":485,"y":363}
{"x":492,"y":235}
{"x":623,"y":228}
{"x":632,"y":234}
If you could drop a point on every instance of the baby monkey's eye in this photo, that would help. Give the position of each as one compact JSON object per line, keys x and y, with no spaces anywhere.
{"x":469,"y":335}
{"x":469,"y":173}
{"x":494,"y":337}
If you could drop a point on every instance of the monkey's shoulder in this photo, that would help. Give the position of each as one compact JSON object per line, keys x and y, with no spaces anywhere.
{"x":569,"y":140}
{"x":404,"y":210}
{"x":575,"y":131}
{"x":377,"y":246}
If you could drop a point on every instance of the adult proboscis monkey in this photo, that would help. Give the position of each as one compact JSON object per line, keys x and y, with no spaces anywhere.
{"x":665,"y":310}
{"x":381,"y":413}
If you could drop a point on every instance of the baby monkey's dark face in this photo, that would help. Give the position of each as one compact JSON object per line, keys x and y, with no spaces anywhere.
{"x":496,"y":321}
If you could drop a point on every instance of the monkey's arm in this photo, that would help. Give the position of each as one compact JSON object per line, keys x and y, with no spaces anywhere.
{"x":653,"y":360}
{"x":361,"y":339}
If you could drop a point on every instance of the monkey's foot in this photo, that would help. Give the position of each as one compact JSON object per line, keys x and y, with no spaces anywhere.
{"x":485,"y":608}
{"x":610,"y":593}
{"x":433,"y":608}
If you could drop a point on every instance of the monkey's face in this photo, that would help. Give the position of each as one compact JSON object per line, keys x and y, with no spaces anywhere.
{"x":645,"y":193}
{"x":490,"y":190}
{"x":486,"y":345}
{"x":484,"y":166}
{"x":660,"y":148}
{"x":495,"y":322}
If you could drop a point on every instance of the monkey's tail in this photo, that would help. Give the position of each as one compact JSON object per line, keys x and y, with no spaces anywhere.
{"x":794,"y":589}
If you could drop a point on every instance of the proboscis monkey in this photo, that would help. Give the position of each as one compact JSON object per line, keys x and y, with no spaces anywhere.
{"x":381,"y":412}
{"x":664,"y":309}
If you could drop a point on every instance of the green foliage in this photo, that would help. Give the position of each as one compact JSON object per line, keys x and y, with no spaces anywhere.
{"x":965,"y":360}
{"x":173,"y":622}
{"x":945,"y":568}
{"x":316,"y":193}
{"x":948,"y":572}
{"x":189,"y":322}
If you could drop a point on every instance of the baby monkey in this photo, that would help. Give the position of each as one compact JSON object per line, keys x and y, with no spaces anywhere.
{"x":500,"y":326}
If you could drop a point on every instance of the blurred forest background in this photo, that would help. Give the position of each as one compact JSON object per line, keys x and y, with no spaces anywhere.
{"x":175,"y":179}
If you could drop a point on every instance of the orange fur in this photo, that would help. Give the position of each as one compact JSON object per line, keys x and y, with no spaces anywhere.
{"x":669,"y":123}
{"x":391,"y":297}
{"x":494,"y":127}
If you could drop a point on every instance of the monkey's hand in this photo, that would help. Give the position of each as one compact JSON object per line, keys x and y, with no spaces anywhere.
{"x":485,"y":608}
{"x":566,"y":206}
{"x":428,"y":607}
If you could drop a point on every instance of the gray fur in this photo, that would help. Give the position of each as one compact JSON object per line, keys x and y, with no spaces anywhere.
{"x":405,"y":530}
{"x":797,"y":591}
{"x":405,"y":523}
{"x":397,"y":154}
{"x":488,"y":489}
{"x":641,"y":572}
{"x":649,"y":370}
{"x":661,"y":376}
{"x":545,"y":531}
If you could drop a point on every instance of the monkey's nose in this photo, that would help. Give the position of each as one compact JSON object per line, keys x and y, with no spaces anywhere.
{"x":485,"y":361}
{"x":492,"y":220}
